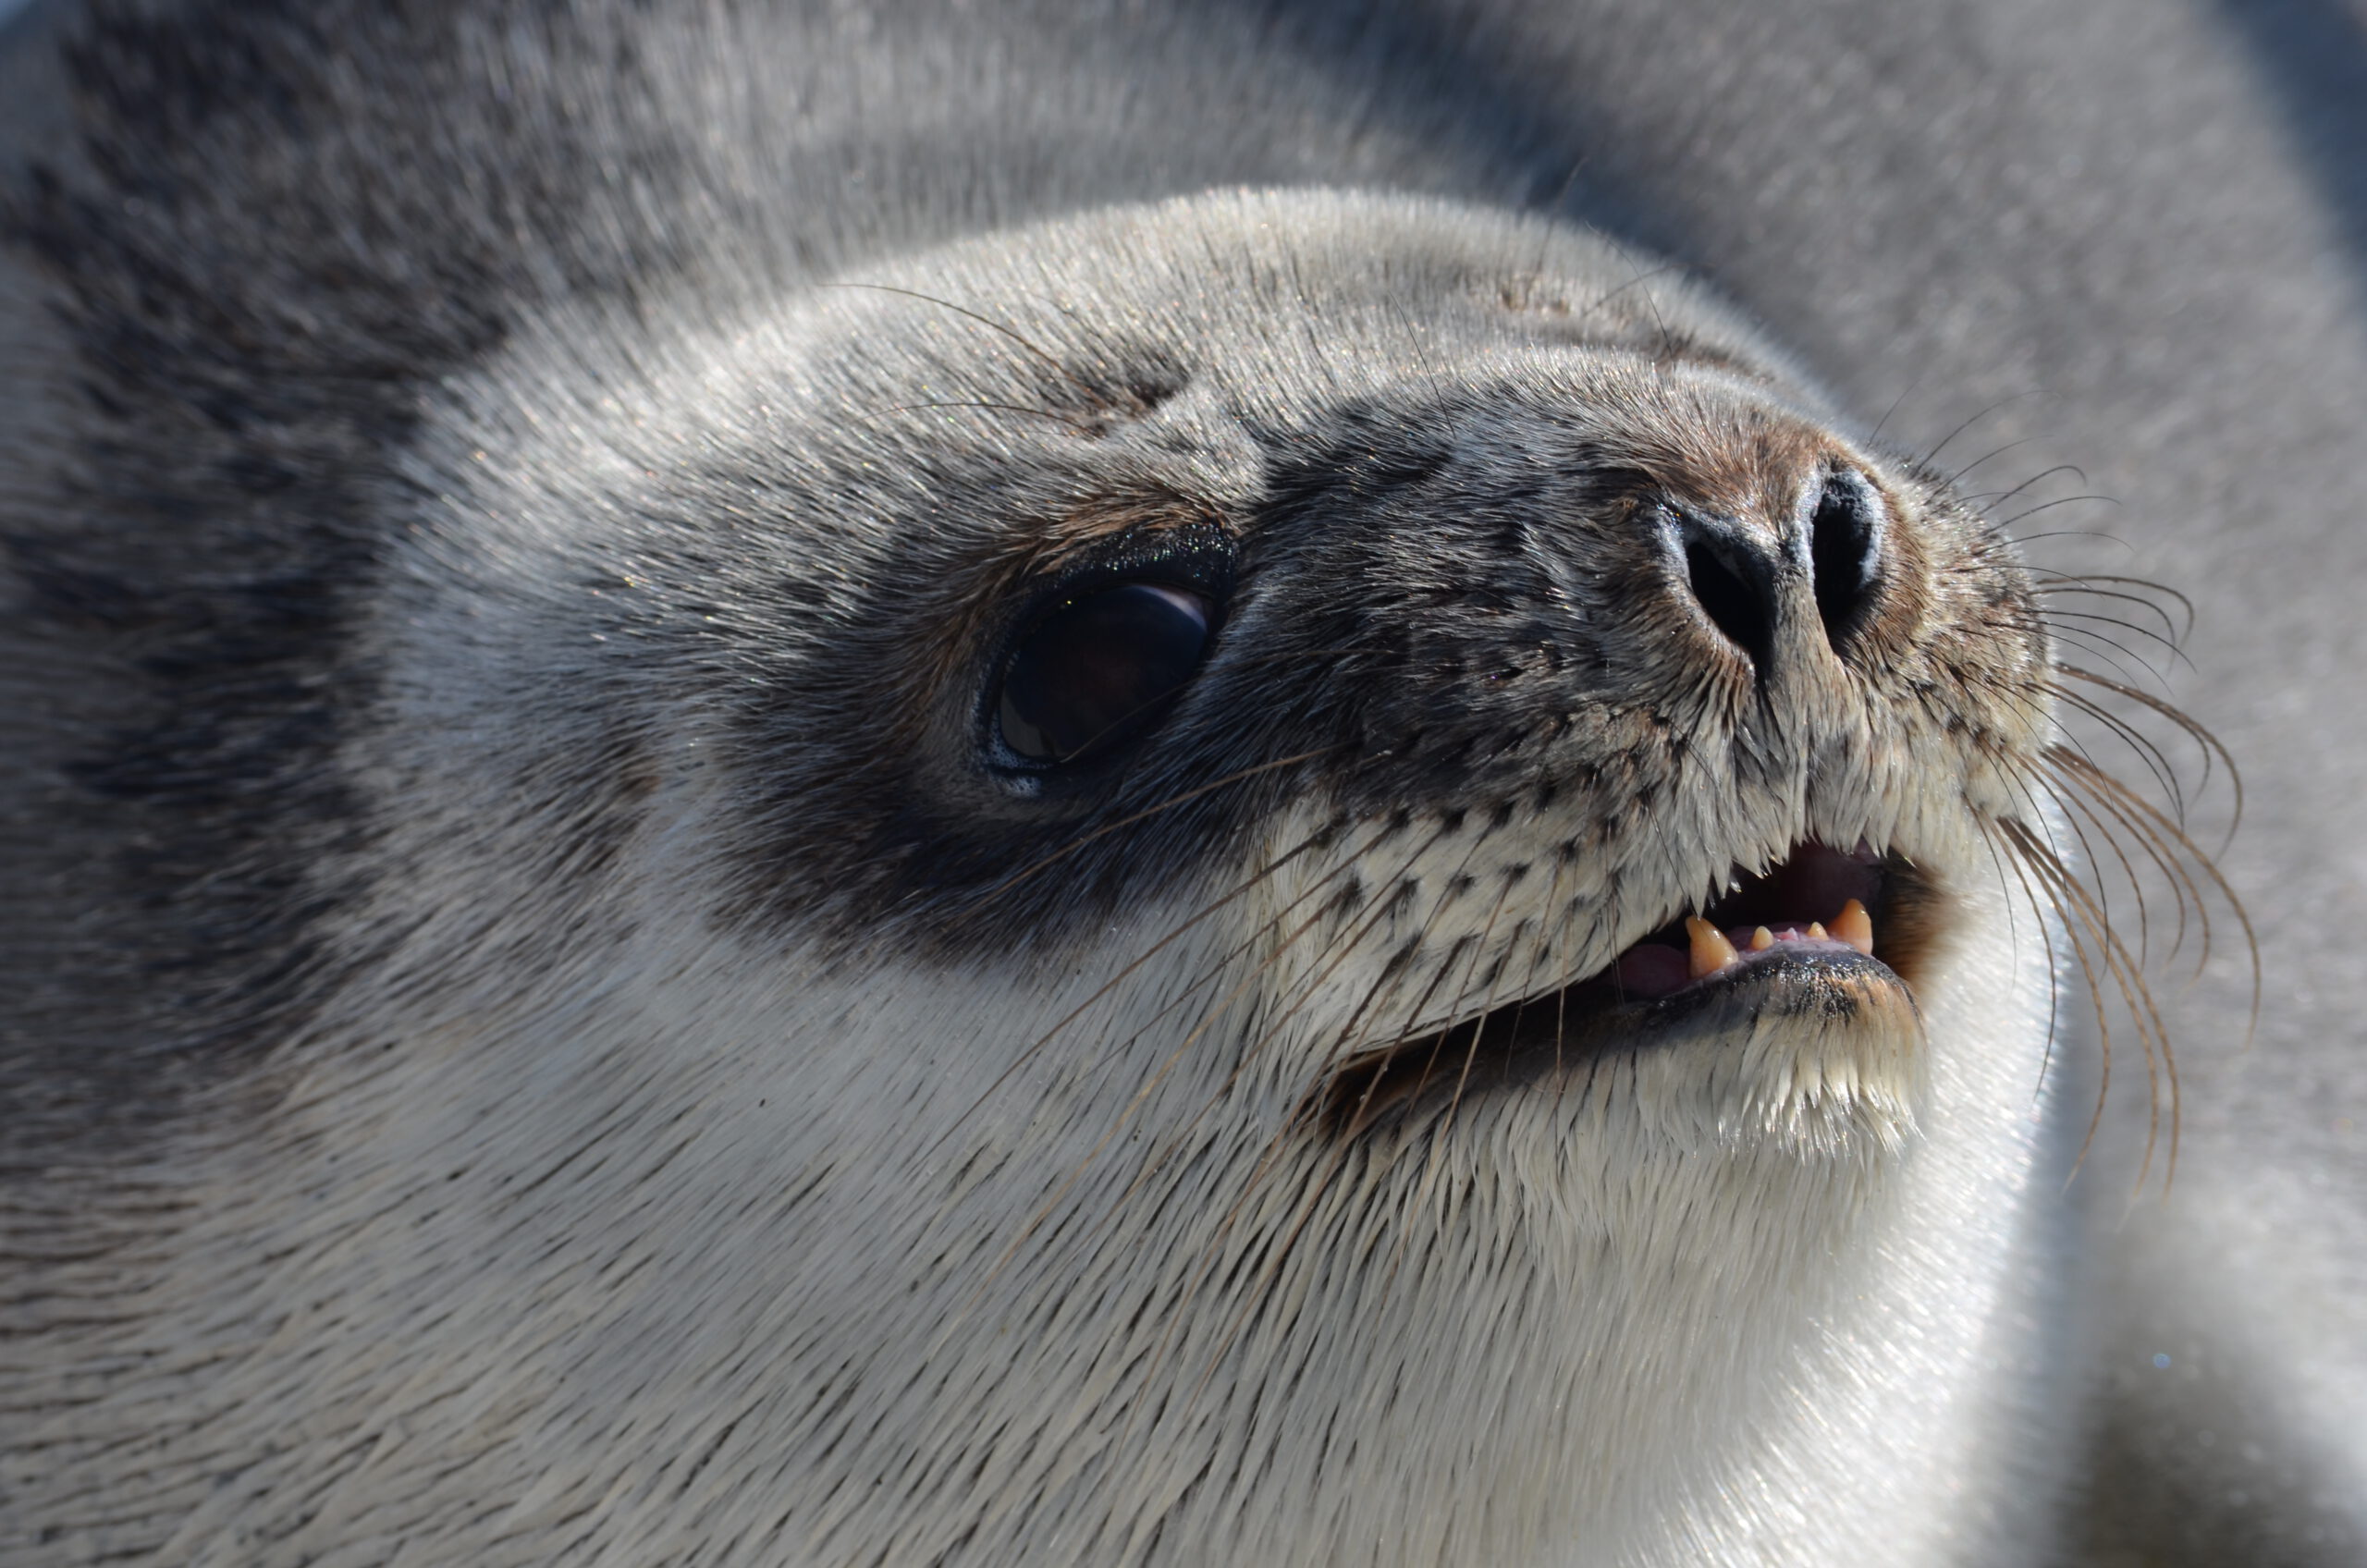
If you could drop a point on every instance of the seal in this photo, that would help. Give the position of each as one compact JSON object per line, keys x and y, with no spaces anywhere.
{"x":771,"y":833}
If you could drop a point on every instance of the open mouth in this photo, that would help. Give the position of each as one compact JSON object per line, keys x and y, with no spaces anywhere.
{"x":1824,"y":925}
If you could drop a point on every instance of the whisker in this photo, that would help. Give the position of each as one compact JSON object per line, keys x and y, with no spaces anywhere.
{"x":2156,"y":762}
{"x":2054,"y":619}
{"x":1307,"y":1209}
{"x":2003,"y":523}
{"x":2193,"y":857}
{"x":2035,"y":856}
{"x":1212,"y":1254}
{"x":2088,"y":853}
{"x":2096,"y":645}
{"x":1175,"y":933}
{"x":2002,"y":496}
{"x":1143,"y":1095}
{"x":2004,"y":859}
{"x":1378,"y":907}
{"x":1478,"y":1025}
{"x":2138,"y":997}
{"x":1927,"y":458}
{"x":2163,"y":854}
{"x":2209,"y":743}
{"x":1994,"y":452}
{"x":2026,"y":540}
{"x":1169,"y":804}
{"x":1875,"y":434}
{"x":1257,"y":1176}
{"x":1347,"y":945}
{"x":1094,"y":394}
{"x":2077,"y":805}
{"x":2171,"y":632}
{"x":1638,"y":280}
{"x":2078,"y":582}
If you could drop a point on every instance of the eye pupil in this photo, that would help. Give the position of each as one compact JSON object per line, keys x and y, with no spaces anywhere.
{"x":1101,"y":666}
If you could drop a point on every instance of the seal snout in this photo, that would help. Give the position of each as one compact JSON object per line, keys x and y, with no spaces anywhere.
{"x":1738,"y":575}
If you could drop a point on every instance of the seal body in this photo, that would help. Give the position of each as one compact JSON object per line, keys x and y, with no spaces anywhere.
{"x":923,"y":785}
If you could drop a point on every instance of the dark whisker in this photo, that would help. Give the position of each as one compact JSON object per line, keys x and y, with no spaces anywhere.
{"x":2003,"y":861}
{"x":2028,"y":539}
{"x":1307,"y":1209}
{"x":1174,"y":934}
{"x":2081,"y":583}
{"x":1875,"y":434}
{"x":2077,"y":805}
{"x":2096,"y":645}
{"x":1073,"y":845}
{"x":2192,"y":856}
{"x":1346,"y":945}
{"x":2054,"y":615}
{"x":2173,"y":633}
{"x":1374,"y":911}
{"x":2037,"y":858}
{"x":2002,"y":496}
{"x":2202,"y":737}
{"x":2138,"y":997}
{"x":2076,"y":775}
{"x":1994,"y":452}
{"x":2003,"y":523}
{"x":1638,"y":281}
{"x":1371,"y":912}
{"x":2088,"y":855}
{"x":1053,"y":1200}
{"x":1927,"y":458}
{"x":2150,"y":755}
{"x":1479,"y":1027}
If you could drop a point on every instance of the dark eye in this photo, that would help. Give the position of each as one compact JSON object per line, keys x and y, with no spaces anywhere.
{"x":1101,"y":666}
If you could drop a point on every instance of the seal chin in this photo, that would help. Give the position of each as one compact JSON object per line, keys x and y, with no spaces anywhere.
{"x":1829,"y":941}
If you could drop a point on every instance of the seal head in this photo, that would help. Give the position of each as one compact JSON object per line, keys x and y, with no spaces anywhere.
{"x":1284,"y":877}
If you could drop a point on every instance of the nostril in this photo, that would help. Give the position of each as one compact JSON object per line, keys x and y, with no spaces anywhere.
{"x":1844,"y":552}
{"x":1733,"y":605}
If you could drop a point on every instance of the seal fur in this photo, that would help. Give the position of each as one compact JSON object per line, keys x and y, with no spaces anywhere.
{"x":658,"y":1082}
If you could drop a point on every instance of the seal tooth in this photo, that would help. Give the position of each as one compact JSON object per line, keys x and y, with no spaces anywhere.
{"x":1712,"y":951}
{"x":1855,"y":926}
{"x":1762,"y":939}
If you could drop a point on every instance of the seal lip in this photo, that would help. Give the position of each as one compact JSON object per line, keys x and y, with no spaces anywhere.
{"x":1539,"y":1037}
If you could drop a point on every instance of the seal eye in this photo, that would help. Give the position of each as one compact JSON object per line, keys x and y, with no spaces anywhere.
{"x":1101,"y":666}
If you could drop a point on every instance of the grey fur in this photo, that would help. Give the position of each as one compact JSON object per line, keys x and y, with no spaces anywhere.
{"x":1944,"y":210}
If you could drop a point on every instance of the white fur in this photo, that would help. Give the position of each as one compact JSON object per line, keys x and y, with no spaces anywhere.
{"x":576,"y":1252}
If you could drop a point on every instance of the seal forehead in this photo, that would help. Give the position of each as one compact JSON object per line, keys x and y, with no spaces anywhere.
{"x":1284,"y":296}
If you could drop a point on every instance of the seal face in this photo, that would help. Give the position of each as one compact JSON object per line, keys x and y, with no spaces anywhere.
{"x":1278,"y":877}
{"x":1021,"y":905}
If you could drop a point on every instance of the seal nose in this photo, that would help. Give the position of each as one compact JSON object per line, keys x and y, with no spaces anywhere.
{"x":1733,"y":574}
{"x":1845,"y":553}
{"x":1732,"y":581}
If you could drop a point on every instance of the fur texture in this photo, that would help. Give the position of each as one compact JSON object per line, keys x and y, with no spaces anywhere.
{"x":542,"y":1025}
